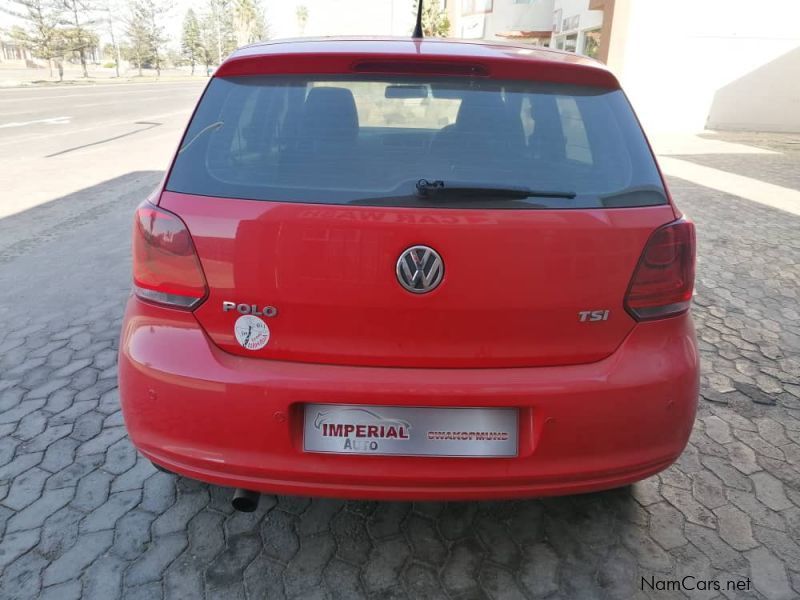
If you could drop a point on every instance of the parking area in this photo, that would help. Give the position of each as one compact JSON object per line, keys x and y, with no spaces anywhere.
{"x":81,"y":515}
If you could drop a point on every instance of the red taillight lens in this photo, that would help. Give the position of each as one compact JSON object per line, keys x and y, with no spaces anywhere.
{"x":664,"y":278}
{"x":166,"y":268}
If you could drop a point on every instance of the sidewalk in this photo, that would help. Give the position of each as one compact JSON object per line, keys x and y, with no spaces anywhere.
{"x":13,"y":77}
{"x":763,"y":168}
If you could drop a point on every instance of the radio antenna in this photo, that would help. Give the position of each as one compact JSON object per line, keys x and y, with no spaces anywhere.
{"x":417,"y":35}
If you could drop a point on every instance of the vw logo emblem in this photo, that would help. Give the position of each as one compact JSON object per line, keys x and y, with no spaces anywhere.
{"x":420,"y":269}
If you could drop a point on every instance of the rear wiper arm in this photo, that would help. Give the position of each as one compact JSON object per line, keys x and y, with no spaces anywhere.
{"x":430,"y":189}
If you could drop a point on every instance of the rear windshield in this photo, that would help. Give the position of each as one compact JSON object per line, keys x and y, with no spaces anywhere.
{"x":370,"y":141}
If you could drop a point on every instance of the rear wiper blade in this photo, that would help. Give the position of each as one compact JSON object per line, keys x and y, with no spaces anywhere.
{"x":439,"y":188}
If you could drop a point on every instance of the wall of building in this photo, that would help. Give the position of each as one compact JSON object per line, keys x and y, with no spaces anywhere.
{"x":574,"y":18}
{"x":471,"y":19}
{"x":727,"y":64}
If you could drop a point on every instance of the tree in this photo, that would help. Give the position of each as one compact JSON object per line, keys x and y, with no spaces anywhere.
{"x":145,"y":34}
{"x":302,"y":18}
{"x":435,"y":22}
{"x":248,"y":22}
{"x":79,"y":17}
{"x":40,"y":34}
{"x":75,"y":41}
{"x":208,"y":42}
{"x":191,"y":42}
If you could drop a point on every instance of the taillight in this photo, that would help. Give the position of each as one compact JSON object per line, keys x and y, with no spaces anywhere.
{"x":664,"y":278}
{"x":166,"y":268}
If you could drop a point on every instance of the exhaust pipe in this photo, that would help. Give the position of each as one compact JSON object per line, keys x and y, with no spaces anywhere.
{"x":245,"y":500}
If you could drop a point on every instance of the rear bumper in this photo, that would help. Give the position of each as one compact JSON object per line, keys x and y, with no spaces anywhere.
{"x":235,"y":421}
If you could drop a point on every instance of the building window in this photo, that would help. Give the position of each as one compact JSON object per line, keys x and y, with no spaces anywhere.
{"x":591,"y":43}
{"x":474,"y":7}
{"x":571,"y":42}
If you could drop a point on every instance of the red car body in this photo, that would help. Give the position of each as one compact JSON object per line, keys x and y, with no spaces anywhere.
{"x":573,"y":319}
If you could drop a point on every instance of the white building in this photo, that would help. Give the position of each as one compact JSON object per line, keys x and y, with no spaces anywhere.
{"x":686,"y":64}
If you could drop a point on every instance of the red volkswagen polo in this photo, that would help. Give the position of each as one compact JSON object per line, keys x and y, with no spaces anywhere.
{"x":405,"y":269}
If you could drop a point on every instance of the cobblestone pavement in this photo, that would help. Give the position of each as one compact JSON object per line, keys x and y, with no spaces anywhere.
{"x":82,"y":515}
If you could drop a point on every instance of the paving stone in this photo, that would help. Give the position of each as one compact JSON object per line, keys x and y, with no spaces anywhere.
{"x":691,"y":509}
{"x":708,"y":541}
{"x":279,"y":539}
{"x":460,"y":572}
{"x":263,"y":578}
{"x":730,"y":476}
{"x":184,"y":578}
{"x":102,"y":441}
{"x":424,"y":539}
{"x":423,"y":583}
{"x":30,"y":426}
{"x":147,"y":591}
{"x":526,"y":524}
{"x":69,"y":590}
{"x":158,"y":493}
{"x":304,"y":571}
{"x":132,"y":534}
{"x":71,"y":474}
{"x":650,"y":556}
{"x":387,"y":519}
{"x":103,"y":578}
{"x":178,"y":515}
{"x":761,"y":447}
{"x":107,"y":514}
{"x":92,"y":491}
{"x":134,"y":478}
{"x":769,"y":575}
{"x":151,"y":565}
{"x":47,"y":388}
{"x":666,"y":525}
{"x":23,"y":409}
{"x":318,"y":516}
{"x":227,"y":569}
{"x":497,"y":541}
{"x":87,"y":426}
{"x":343,"y":580}
{"x":352,"y":541}
{"x":780,"y":543}
{"x":498,"y":582}
{"x":46,"y":438}
{"x":456,"y":519}
{"x":88,"y":547}
{"x":539,"y":570}
{"x":15,"y":544}
{"x":120,"y":457}
{"x":26,"y":488}
{"x":58,"y":455}
{"x":770,"y":491}
{"x":60,"y":532}
{"x":717,"y":429}
{"x":735,"y":528}
{"x":708,"y":490}
{"x":21,"y":579}
{"x":35,"y":514}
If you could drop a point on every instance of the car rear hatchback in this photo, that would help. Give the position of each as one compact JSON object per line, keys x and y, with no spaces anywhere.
{"x":398,"y":269}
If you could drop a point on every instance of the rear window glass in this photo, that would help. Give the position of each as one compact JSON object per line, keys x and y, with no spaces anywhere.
{"x":369,"y":141}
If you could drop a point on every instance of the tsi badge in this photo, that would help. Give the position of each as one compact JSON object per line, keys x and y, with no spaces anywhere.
{"x":250,"y":309}
{"x":589,"y":316}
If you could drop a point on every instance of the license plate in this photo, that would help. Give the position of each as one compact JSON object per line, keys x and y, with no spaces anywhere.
{"x":410,"y":431}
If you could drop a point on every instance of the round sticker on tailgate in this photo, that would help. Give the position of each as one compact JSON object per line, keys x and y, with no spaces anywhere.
{"x":251,"y":332}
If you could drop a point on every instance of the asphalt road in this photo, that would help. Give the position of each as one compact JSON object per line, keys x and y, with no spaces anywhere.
{"x":83,"y":516}
{"x":58,"y":140}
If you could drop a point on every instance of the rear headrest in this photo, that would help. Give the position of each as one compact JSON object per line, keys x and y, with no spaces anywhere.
{"x":330,"y":114}
{"x":481,"y":111}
